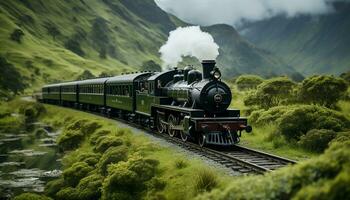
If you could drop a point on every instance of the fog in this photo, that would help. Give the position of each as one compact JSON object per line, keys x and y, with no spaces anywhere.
{"x":234,"y":12}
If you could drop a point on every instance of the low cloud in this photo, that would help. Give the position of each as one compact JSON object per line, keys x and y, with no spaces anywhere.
{"x":234,"y":12}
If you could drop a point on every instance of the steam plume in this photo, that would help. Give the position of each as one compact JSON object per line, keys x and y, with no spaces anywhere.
{"x":188,"y":41}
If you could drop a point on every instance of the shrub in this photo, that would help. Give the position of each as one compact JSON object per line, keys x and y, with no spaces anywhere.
{"x":68,"y":193}
{"x":85,"y":75}
{"x":112,"y":155}
{"x":70,"y":139}
{"x":324,"y":177}
{"x":150,"y":65}
{"x":90,"y":158}
{"x":31,"y":196}
{"x":90,"y":187}
{"x":245,"y":82}
{"x":105,"y":142}
{"x":17,"y":35}
{"x":54,"y":186}
{"x":295,"y":121}
{"x":75,"y":132}
{"x":74,"y":46}
{"x":10,"y":78}
{"x":98,"y":134}
{"x":272,"y":92}
{"x":316,"y":140}
{"x":205,"y":180}
{"x":126,"y":180}
{"x":31,"y":110}
{"x":322,"y":90}
{"x":301,"y":119}
{"x":76,"y":172}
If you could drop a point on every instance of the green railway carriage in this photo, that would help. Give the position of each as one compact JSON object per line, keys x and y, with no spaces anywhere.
{"x":52,"y":93}
{"x":69,"y":92}
{"x":91,"y":92}
{"x":121,"y":91}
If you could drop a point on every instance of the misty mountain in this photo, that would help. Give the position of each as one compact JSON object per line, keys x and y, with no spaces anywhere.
{"x":311,"y":44}
{"x":237,"y":56}
{"x":48,"y":40}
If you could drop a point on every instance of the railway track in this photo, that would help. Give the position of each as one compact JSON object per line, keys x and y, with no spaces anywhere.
{"x":238,"y":158}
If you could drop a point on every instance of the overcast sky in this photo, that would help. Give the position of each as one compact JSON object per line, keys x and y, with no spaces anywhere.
{"x":208,"y":12}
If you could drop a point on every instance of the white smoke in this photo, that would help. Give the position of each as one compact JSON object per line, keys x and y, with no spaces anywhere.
{"x":188,"y":41}
{"x":233,"y":12}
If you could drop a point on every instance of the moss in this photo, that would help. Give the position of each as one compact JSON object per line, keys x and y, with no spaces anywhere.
{"x":90,"y":187}
{"x":54,"y":186}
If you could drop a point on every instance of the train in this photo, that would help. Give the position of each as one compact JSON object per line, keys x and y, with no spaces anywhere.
{"x":183,"y":103}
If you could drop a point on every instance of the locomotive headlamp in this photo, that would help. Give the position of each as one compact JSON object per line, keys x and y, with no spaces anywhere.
{"x":216,"y":73}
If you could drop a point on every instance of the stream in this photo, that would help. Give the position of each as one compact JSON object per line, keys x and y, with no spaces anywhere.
{"x":28,"y":160}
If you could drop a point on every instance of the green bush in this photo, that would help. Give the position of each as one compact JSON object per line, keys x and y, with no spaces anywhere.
{"x":112,"y":155}
{"x":54,"y":186}
{"x":17,"y":35}
{"x":324,"y":177}
{"x":70,"y":139}
{"x":316,"y":140}
{"x":105,"y":142}
{"x":300,"y":120}
{"x":323,"y":90}
{"x":205,"y":180}
{"x":272,"y":92}
{"x":76,"y":172}
{"x":245,"y":82}
{"x":90,"y":187}
{"x":98,"y":134}
{"x":75,"y":132}
{"x":68,"y":193}
{"x":180,"y":163}
{"x":31,"y":110}
{"x":90,"y":158}
{"x":31,"y":196}
{"x":127,"y":180}
{"x":295,"y":121}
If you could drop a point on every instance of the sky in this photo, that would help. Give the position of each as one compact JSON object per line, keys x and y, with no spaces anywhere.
{"x":234,"y":12}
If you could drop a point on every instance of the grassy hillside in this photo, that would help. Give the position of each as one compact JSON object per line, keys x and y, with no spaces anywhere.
{"x":50,"y":41}
{"x":60,"y":39}
{"x":310,"y":44}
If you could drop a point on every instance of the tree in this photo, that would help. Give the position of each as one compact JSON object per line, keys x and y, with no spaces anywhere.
{"x":323,"y":90}
{"x":346,"y":76}
{"x":10,"y":78}
{"x":86,"y":75}
{"x":150,"y":65}
{"x":16,"y":35}
{"x":272,"y":92}
{"x":248,"y":82}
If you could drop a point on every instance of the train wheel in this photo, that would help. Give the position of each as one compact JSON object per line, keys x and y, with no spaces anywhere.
{"x":201,"y":140}
{"x":172,"y":123}
{"x":160,"y":125}
{"x":184,"y":136}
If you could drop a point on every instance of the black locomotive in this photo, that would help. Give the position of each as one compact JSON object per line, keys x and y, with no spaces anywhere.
{"x":185,"y":102}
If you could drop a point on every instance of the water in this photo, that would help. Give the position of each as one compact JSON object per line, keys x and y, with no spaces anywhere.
{"x":28,"y":160}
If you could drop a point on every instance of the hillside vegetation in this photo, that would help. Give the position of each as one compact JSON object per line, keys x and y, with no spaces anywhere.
{"x":51,"y":41}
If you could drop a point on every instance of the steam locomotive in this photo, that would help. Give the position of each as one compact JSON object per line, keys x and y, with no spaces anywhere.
{"x":180,"y":102}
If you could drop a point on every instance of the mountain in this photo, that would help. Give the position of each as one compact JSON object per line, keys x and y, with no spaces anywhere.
{"x":45,"y":41}
{"x":49,"y":40}
{"x":311,"y":44}
{"x":237,"y":56}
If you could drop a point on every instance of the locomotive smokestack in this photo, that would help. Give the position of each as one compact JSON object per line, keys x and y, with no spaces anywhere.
{"x":208,"y":66}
